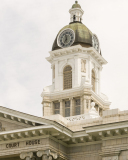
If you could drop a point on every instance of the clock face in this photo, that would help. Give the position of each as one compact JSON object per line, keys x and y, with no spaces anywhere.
{"x":95,"y":43}
{"x":66,"y":38}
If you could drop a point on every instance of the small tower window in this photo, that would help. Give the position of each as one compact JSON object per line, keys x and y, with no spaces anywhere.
{"x":57,"y":108}
{"x":77,"y":107}
{"x":74,"y":18}
{"x":93,"y":80}
{"x":67,"y":108}
{"x":67,"y":77}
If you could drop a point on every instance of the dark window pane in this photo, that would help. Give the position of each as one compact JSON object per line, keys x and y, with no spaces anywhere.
{"x":57,"y":112}
{"x":67,"y":104}
{"x":78,"y":102}
{"x":67,"y":112}
{"x":77,"y":110}
{"x":77,"y":107}
{"x":57,"y":108}
{"x":67,"y":77}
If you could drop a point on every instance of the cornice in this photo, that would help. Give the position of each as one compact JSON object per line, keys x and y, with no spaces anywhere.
{"x":90,"y":135}
{"x":75,"y":89}
{"x":107,"y":103}
{"x":106,"y":127}
{"x":80,"y":89}
{"x":76,"y":49}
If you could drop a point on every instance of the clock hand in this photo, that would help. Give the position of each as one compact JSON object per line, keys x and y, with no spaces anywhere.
{"x":65,"y":39}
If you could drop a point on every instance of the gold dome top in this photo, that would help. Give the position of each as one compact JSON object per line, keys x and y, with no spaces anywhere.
{"x":76,"y":5}
{"x":83,"y":35}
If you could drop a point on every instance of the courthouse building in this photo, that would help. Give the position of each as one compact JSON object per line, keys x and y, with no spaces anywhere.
{"x":77,"y":122}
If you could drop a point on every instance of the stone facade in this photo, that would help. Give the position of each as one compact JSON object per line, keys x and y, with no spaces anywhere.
{"x":91,"y":131}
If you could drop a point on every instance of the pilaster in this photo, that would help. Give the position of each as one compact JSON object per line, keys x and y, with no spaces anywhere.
{"x":76,"y":71}
{"x":71,"y":107}
{"x":46,"y":108}
{"x":56,"y":76}
{"x":61,"y":108}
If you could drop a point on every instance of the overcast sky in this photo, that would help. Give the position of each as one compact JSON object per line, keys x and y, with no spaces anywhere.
{"x":27,"y":31}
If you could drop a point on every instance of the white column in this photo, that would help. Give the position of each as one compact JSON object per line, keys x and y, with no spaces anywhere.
{"x":89,"y":70}
{"x":89,"y":104}
{"x":56,"y":76}
{"x":96,"y":85}
{"x":81,"y":105}
{"x":84,"y":104}
{"x":52,"y":108}
{"x":71,"y":107}
{"x":61,"y":108}
{"x":77,"y":76}
{"x":99,"y":71}
{"x":61,"y":81}
{"x":79,"y":71}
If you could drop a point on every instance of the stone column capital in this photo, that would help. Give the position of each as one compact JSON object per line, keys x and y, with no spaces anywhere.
{"x":47,"y":154}
{"x":26,"y":155}
{"x":60,"y":100}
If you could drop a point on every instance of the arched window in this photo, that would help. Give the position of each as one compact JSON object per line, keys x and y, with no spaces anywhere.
{"x":67,"y":77}
{"x":93,"y":80}
{"x":74,"y":18}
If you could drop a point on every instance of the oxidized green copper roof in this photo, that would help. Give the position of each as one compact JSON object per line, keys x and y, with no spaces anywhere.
{"x":76,"y":5}
{"x":82,"y":34}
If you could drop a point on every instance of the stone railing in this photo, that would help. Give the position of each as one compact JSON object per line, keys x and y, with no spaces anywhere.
{"x":81,"y":117}
{"x":91,"y":114}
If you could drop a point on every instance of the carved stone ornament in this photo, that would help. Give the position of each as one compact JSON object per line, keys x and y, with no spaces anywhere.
{"x":26,"y":155}
{"x":83,"y":65}
{"x":47,"y":154}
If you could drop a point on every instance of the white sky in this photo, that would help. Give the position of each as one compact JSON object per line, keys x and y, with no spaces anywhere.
{"x":27,"y":31}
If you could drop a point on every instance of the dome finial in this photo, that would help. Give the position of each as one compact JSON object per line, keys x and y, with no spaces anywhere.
{"x":76,"y":5}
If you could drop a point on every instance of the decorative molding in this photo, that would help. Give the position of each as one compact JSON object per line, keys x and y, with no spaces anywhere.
{"x":47,"y":154}
{"x":110,"y":155}
{"x":83,"y":65}
{"x":26,"y":154}
{"x":76,"y":49}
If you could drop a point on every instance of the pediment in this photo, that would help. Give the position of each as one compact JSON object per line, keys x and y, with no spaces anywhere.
{"x":8,"y":125}
{"x":13,"y":120}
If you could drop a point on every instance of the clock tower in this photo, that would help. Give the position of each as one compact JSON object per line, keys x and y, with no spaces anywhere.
{"x":76,"y":63}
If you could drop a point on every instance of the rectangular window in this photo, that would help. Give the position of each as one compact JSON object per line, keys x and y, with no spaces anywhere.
{"x":57,"y":108}
{"x":67,"y":108}
{"x":77,"y":107}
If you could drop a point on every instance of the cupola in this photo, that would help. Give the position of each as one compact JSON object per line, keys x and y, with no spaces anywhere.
{"x":76,"y":13}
